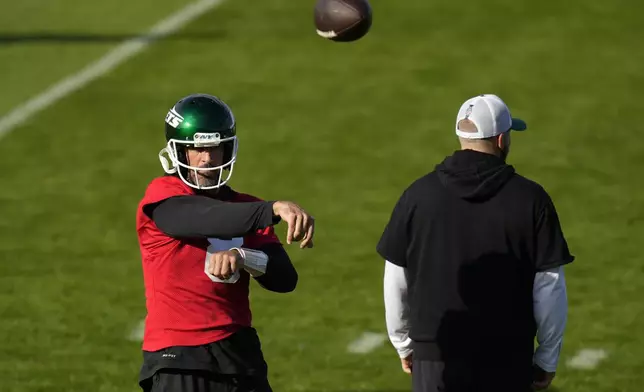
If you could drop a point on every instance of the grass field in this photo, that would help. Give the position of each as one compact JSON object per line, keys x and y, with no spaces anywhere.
{"x":341,"y":129}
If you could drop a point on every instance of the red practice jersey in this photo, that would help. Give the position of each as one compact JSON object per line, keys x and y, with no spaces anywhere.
{"x":184,"y":306}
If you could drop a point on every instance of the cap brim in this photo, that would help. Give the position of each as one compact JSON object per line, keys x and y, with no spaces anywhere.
{"x":518,"y":125}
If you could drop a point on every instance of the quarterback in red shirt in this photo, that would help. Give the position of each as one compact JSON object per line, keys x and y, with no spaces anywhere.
{"x":201,"y":242}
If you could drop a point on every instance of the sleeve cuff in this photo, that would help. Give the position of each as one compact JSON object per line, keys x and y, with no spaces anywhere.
{"x":404,"y":353}
{"x":555,"y":264}
{"x":545,"y":363}
{"x":267,"y":217}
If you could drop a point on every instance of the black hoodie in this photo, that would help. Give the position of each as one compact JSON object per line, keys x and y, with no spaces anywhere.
{"x":472,"y":234}
{"x":473,"y":175}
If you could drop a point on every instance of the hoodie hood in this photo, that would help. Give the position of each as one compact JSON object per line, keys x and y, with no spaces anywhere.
{"x":473,"y":175}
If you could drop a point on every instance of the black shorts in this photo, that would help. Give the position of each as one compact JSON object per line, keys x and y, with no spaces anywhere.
{"x":177,"y":380}
{"x":234,"y":364}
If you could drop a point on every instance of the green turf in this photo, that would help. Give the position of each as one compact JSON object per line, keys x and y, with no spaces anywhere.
{"x":341,"y":129}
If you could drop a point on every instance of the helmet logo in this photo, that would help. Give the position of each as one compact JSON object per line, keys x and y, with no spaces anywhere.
{"x":207,"y":138}
{"x":173,"y":118}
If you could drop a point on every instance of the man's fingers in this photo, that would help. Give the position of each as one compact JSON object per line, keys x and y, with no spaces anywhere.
{"x":225,"y":268}
{"x":406,"y":366}
{"x":309,"y":244}
{"x":289,"y":232}
{"x":305,"y":225}
{"x":215,"y":264}
{"x":308,"y":239}
{"x":299,"y":225}
{"x":223,"y":265}
{"x":297,"y":230}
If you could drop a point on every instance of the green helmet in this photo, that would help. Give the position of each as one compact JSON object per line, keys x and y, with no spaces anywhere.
{"x":196,"y":121}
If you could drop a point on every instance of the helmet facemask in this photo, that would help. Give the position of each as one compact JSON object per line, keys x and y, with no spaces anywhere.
{"x":174,"y":159}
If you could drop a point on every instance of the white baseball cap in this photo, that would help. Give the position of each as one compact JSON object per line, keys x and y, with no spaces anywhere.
{"x":490,"y":115}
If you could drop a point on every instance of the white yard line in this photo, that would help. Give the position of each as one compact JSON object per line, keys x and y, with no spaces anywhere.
{"x":587,"y":359}
{"x":136,"y":334}
{"x":366,"y":343}
{"x":104,"y":65}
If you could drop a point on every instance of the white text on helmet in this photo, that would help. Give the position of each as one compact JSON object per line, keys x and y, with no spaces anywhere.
{"x":173,"y":118}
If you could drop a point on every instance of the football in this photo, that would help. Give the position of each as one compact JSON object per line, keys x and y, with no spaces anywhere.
{"x":342,"y":20}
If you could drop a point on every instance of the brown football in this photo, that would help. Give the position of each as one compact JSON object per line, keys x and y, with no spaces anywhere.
{"x":342,"y":20}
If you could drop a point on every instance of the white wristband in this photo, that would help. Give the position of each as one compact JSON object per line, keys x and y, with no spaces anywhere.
{"x":255,"y":261}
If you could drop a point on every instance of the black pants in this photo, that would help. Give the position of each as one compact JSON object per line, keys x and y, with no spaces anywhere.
{"x":234,"y":364}
{"x":456,"y":376}
{"x":177,"y":380}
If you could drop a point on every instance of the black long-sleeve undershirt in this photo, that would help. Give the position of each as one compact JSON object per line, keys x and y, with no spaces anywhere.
{"x":280,"y":275}
{"x":198,"y":216}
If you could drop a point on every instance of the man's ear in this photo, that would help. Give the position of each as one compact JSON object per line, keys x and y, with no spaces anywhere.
{"x":500,"y":140}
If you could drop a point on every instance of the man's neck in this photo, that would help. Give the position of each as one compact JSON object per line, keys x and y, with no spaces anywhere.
{"x":222,"y":193}
{"x":482,"y":149}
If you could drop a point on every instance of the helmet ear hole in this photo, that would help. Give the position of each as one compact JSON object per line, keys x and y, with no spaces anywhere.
{"x":166,"y":161}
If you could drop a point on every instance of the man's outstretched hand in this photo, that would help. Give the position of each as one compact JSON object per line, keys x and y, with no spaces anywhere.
{"x":301,"y":225}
